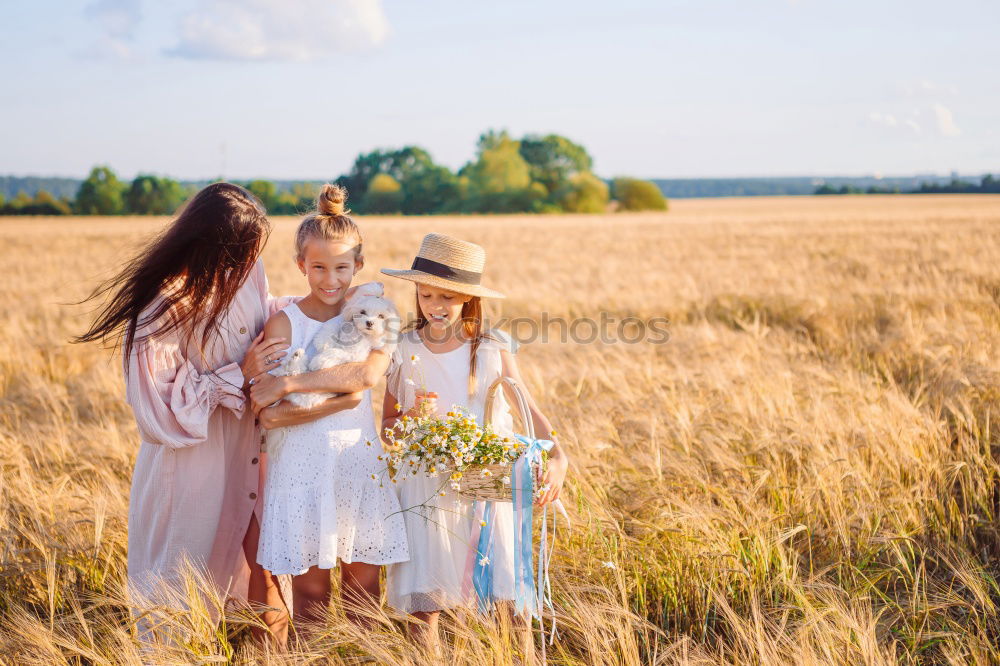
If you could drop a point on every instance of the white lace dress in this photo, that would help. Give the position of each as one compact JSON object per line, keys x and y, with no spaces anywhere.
{"x":439,"y":527}
{"x":320,"y":502}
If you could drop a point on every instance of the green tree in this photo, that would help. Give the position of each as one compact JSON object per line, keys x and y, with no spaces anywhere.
{"x":500,"y":179}
{"x":427,"y":187}
{"x":150,"y":195}
{"x":428,"y":190}
{"x":101,"y":193}
{"x":285,"y":203}
{"x":304,"y":195}
{"x":491,"y":139}
{"x":634,"y":194}
{"x":46,"y":204}
{"x":583,"y":193}
{"x":297,"y":200}
{"x":266,"y":191}
{"x":554,"y":159}
{"x":18,"y":204}
{"x":21,"y":201}
{"x":384,"y":195}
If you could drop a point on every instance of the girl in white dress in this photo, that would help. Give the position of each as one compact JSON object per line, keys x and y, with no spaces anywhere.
{"x":446,"y":358}
{"x":320,"y":503}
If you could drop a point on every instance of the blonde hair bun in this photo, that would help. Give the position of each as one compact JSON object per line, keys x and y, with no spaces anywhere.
{"x":331,"y":200}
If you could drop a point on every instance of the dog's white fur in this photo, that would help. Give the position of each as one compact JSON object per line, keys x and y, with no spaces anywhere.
{"x":368,"y":322}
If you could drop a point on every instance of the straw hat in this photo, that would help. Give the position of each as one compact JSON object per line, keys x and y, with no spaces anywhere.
{"x":448,"y":263}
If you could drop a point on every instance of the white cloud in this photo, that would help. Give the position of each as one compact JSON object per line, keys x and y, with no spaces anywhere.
{"x":118,"y":20}
{"x":299,"y":30}
{"x":885,"y":119}
{"x":117,"y":17}
{"x":925,"y":88}
{"x":894,"y":122}
{"x":945,"y":120}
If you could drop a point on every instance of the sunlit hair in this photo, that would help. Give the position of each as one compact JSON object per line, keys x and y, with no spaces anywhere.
{"x":193,"y":269}
{"x":330,"y":222}
{"x":472,"y":329}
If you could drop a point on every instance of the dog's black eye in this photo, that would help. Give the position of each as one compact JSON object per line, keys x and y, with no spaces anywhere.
{"x":381,"y":316}
{"x":363,"y":312}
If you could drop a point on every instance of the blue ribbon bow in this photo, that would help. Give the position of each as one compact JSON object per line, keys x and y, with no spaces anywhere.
{"x":522,"y":484}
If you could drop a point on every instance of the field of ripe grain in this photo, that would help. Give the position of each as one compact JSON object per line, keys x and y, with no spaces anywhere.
{"x":805,"y":472}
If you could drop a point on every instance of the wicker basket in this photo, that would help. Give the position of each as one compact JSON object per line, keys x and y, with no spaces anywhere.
{"x":491,"y":488}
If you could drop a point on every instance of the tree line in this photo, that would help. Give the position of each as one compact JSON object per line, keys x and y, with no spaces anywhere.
{"x":987,"y":185}
{"x":534,"y":174}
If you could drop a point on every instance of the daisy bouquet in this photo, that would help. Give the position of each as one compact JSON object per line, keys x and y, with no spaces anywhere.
{"x":475,"y":459}
{"x":472,"y":458}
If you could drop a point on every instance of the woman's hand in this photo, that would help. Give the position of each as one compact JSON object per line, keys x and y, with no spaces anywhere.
{"x":552,"y":481}
{"x":267,"y":390}
{"x":262,"y":356}
{"x":267,"y":417}
{"x":425,"y":402}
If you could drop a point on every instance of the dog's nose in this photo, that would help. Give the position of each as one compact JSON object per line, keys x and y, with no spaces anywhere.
{"x":369,"y":324}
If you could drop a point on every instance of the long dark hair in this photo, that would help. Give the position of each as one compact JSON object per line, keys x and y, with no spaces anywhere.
{"x":196,"y":266}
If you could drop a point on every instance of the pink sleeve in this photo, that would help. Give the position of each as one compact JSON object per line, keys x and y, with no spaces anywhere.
{"x":171,"y":400}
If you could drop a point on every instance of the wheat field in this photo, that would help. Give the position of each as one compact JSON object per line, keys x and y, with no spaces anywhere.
{"x":804,"y":472}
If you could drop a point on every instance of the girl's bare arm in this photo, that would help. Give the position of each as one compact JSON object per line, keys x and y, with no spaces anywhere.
{"x":344,"y":378}
{"x":285,"y":413}
{"x":390,"y":412}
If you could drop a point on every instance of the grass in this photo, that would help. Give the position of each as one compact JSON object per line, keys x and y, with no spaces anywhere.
{"x":804,"y":473}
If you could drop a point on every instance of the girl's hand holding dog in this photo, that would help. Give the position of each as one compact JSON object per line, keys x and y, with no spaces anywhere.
{"x":262,"y":356}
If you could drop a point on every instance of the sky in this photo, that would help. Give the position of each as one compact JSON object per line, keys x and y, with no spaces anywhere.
{"x":296,"y":89}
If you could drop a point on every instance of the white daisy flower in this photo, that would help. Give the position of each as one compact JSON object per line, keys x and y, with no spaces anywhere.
{"x":608,"y":565}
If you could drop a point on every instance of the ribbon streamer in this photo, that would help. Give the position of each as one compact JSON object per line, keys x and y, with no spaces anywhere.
{"x":532,"y":589}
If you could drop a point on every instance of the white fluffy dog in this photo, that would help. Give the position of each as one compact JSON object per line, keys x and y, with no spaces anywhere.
{"x":367,"y":322}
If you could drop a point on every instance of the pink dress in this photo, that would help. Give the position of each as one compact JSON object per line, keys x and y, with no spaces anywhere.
{"x":197,"y":475}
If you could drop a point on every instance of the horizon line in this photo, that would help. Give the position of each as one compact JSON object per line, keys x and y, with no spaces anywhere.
{"x":875,"y":175}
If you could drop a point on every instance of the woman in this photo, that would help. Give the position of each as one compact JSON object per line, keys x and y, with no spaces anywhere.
{"x":188,"y":310}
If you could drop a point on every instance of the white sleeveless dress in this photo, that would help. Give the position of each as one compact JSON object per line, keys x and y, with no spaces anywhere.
{"x":320,"y":502}
{"x":439,"y":528}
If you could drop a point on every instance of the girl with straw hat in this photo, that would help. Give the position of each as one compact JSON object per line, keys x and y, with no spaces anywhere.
{"x":445,"y":358}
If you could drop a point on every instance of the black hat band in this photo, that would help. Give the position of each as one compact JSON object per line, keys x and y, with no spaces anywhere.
{"x":440,"y":270}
